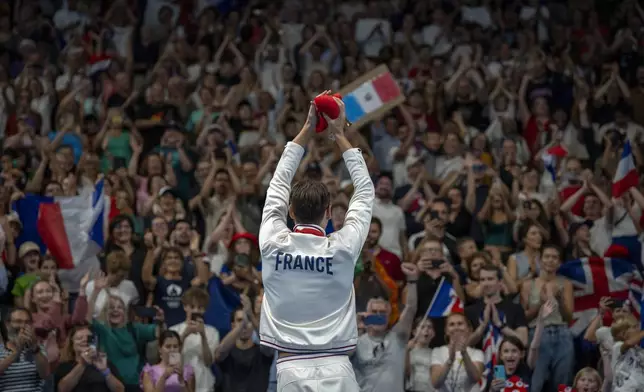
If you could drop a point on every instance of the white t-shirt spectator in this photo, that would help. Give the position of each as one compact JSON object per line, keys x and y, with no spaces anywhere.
{"x":457,"y":379}
{"x":126,"y":290}
{"x":193,"y":355}
{"x":393,"y":223}
{"x":628,"y":373}
{"x":606,"y":343}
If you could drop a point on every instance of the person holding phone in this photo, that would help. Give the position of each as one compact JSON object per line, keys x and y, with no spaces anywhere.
{"x":199,"y":340}
{"x":514,"y":369}
{"x":84,"y":367}
{"x":170,"y":374}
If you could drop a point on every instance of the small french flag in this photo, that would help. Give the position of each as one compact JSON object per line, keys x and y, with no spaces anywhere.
{"x":445,"y":301}
{"x":371,"y":96}
{"x":626,"y":175}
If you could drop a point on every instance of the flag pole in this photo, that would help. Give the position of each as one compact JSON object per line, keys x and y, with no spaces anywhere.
{"x":427,"y":311}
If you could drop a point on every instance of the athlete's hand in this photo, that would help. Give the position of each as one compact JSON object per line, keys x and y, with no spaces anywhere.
{"x":410,"y":270}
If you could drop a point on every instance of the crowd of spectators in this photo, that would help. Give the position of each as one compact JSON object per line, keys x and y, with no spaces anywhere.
{"x":183,"y":107}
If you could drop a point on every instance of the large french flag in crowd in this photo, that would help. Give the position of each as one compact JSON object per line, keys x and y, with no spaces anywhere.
{"x":626,"y":176}
{"x":445,"y":301}
{"x":71,"y":228}
{"x":370,"y":96}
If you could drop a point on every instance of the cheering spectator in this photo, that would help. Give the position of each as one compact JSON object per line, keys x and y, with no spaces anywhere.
{"x":170,"y":374}
{"x":382,"y":346}
{"x":418,"y":359}
{"x":83,"y":368}
{"x":557,"y":345}
{"x":456,"y":366}
{"x":245,"y":364}
{"x":199,"y":340}
{"x":23,"y":362}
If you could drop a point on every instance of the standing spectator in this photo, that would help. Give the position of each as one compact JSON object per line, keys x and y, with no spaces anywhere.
{"x":382,"y":347}
{"x":393,"y":236}
{"x":199,"y":341}
{"x":245,"y":364}
{"x":556,"y":352}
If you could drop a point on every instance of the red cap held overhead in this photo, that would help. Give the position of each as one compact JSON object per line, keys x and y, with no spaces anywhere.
{"x":326,"y":104}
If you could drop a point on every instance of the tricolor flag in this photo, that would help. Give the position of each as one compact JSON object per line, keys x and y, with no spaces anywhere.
{"x":626,"y":175}
{"x":71,"y":228}
{"x":550,"y":158}
{"x":445,"y":301}
{"x":372,"y":94}
{"x":491,"y":342}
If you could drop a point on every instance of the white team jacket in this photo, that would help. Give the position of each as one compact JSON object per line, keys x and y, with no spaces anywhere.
{"x":309,"y":303}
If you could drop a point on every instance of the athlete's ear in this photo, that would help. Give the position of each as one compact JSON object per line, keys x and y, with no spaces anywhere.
{"x":290,"y":213}
{"x":327,"y":213}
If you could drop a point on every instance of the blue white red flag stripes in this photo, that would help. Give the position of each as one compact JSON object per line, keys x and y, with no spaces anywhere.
{"x":70,"y":228}
{"x":370,"y":96}
{"x":445,"y":301}
{"x":626,"y":175}
{"x":491,"y":342}
{"x":592,"y":279}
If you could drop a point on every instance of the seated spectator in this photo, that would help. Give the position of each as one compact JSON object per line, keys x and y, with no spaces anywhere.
{"x":83,"y":368}
{"x":23,"y":362}
{"x":171,"y":374}
{"x":199,"y":340}
{"x":587,"y":380}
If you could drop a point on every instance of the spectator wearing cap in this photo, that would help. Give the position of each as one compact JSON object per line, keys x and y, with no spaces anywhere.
{"x":578,"y":241}
{"x":394,"y":237}
{"x":243,"y":268}
{"x":29,"y":258}
{"x":169,"y":206}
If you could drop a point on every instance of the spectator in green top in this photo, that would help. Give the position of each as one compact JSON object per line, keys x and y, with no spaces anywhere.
{"x":29,"y":257}
{"x":123,"y":341}
{"x":115,"y":139}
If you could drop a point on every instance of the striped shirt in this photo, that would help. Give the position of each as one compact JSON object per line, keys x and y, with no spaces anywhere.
{"x":21,"y":375}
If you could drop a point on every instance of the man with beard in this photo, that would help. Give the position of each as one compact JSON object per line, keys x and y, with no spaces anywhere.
{"x":23,"y":363}
{"x":503,"y":313}
{"x":245,"y":364}
{"x":394,"y":237}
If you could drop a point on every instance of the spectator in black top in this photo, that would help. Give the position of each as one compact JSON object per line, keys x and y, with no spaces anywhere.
{"x":83,"y":368}
{"x":503,"y":313}
{"x":245,"y":364}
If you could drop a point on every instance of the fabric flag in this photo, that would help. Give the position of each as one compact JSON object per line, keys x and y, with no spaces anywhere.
{"x":70,"y":228}
{"x":445,"y":301}
{"x":631,"y":244}
{"x":223,"y":302}
{"x":626,"y":175}
{"x":550,"y":158}
{"x":491,"y":342}
{"x":592,"y":279}
{"x":371,"y":94}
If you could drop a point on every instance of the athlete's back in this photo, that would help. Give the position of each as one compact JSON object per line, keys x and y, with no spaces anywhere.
{"x":308,"y":277}
{"x":309,"y":306}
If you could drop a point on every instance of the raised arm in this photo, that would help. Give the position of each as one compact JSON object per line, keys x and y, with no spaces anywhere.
{"x":279,"y":189}
{"x":358,"y":218}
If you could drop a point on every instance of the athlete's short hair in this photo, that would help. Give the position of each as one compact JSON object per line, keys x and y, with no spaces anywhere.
{"x":309,"y":201}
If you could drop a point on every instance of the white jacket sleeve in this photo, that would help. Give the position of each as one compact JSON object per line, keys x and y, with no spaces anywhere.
{"x":277,"y":195}
{"x":358,"y":219}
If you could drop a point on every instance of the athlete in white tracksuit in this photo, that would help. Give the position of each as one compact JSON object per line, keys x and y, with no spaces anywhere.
{"x":308,"y":309}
